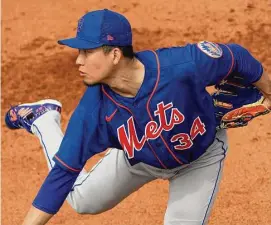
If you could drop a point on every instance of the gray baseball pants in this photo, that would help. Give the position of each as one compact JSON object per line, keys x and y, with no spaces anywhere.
{"x":192,"y":188}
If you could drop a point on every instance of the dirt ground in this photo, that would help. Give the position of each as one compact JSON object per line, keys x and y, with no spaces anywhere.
{"x":35,"y":67}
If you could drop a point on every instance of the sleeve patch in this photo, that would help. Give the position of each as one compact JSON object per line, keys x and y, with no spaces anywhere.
{"x":211,"y":49}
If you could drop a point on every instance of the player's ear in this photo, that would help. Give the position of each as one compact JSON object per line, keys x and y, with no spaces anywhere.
{"x":116,"y":55}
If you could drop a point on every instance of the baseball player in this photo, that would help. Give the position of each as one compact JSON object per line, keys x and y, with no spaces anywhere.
{"x":152,"y":111}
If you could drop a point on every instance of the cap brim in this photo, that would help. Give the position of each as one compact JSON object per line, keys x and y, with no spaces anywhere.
{"x":79,"y":43}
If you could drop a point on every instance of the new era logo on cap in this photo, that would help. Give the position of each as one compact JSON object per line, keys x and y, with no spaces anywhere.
{"x":109,"y":37}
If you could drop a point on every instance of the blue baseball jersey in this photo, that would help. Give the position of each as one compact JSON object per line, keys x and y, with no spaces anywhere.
{"x":170,"y":122}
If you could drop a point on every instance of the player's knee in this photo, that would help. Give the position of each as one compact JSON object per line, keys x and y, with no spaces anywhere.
{"x":83,"y":208}
{"x":88,"y":210}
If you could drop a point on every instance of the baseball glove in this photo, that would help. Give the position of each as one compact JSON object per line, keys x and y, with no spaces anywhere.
{"x":237,"y":102}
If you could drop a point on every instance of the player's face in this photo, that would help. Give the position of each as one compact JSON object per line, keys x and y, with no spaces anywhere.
{"x":94,"y":65}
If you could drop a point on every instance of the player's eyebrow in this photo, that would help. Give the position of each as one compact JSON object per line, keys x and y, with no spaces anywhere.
{"x":89,"y":50}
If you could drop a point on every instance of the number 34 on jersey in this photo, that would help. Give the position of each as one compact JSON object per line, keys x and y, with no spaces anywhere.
{"x":182,"y":141}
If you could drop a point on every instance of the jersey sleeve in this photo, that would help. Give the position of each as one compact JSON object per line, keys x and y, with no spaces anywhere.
{"x":85,"y":135}
{"x":54,"y":190}
{"x":245,"y":64}
{"x":214,"y":62}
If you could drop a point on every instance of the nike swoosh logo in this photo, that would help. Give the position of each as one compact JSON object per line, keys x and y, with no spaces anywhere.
{"x":109,"y":118}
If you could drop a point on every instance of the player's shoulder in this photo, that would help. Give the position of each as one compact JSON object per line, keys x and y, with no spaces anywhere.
{"x":174,"y":55}
{"x":168,"y":56}
{"x":190,"y":52}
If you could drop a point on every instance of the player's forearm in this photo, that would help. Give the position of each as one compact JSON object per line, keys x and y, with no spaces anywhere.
{"x":264,"y":85}
{"x":36,"y":217}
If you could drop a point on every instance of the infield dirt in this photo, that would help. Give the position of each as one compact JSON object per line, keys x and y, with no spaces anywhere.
{"x":35,"y":67}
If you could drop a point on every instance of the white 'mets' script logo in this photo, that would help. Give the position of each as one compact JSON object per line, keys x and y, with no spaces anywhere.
{"x":130,"y":141}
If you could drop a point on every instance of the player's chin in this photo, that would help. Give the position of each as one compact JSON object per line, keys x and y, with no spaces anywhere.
{"x":89,"y":82}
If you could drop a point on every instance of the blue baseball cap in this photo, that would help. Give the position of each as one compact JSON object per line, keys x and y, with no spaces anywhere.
{"x":98,"y":28}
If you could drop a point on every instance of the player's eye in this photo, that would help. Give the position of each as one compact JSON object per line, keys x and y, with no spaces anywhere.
{"x":89,"y":51}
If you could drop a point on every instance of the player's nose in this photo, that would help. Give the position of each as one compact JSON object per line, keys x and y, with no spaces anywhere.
{"x":80,"y":59}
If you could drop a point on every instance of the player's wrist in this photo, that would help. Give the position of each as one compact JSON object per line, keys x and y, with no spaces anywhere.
{"x":267,"y":103}
{"x":36,"y":217}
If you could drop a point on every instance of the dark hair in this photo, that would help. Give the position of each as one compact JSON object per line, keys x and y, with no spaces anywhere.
{"x":127,"y":51}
